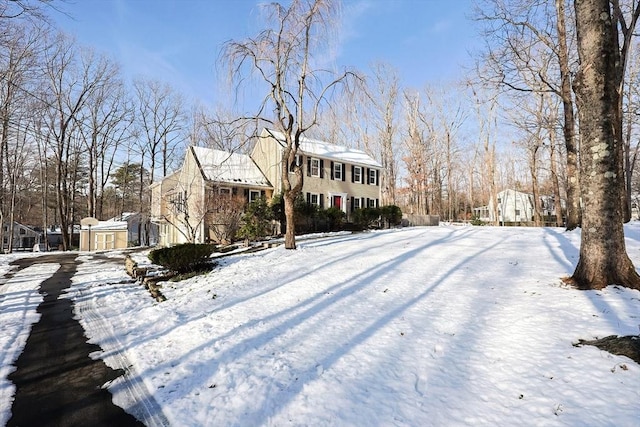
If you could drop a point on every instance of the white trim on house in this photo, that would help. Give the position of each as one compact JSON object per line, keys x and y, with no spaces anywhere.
{"x":343,"y":201}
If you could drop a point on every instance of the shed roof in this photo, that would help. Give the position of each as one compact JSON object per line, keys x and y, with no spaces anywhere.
{"x":108,"y":226}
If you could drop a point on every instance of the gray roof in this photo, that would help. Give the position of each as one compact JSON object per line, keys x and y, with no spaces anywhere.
{"x":231,"y":168}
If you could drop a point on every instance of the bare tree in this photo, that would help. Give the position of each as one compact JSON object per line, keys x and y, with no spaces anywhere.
{"x":160,"y":116}
{"x":105,"y":120}
{"x":224,"y":216}
{"x":485,"y":112}
{"x":71,"y":79}
{"x":158,"y":133}
{"x":531,"y":122}
{"x":24,"y":9}
{"x":383,"y":95}
{"x":218,"y":130}
{"x":415,"y":156}
{"x":20,"y":47}
{"x":603,"y":256}
{"x":285,"y":58}
{"x":522,"y":36}
{"x":447,"y":116}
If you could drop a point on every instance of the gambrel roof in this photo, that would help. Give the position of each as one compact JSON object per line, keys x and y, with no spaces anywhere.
{"x":232,"y":168}
{"x":338,"y":153}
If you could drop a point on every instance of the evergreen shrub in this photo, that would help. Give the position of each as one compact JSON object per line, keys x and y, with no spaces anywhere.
{"x":182,"y":258}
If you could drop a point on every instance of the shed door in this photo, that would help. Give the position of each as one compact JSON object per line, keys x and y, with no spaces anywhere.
{"x":105,"y":241}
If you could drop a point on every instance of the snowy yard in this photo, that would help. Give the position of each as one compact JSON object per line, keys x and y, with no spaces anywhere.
{"x":435,"y":326}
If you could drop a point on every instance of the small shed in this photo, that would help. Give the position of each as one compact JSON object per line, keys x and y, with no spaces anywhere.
{"x":103,"y":235}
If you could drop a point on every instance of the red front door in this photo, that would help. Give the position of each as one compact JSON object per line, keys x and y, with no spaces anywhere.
{"x":337,"y":202}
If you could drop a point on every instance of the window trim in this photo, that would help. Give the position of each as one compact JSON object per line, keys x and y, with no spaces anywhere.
{"x":317,"y":167}
{"x":372,"y":177}
{"x":356,"y":203}
{"x":317,"y":196}
{"x":359,"y":174}
{"x":338,"y":171}
{"x":252,"y":192}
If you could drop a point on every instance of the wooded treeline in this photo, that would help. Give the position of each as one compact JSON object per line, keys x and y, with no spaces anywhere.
{"x":78,"y":139}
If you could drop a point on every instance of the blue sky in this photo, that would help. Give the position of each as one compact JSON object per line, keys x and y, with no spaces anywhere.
{"x":178,"y":41}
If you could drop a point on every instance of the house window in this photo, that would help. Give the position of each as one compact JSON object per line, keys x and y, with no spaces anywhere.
{"x":517,"y":212}
{"x":356,"y":203}
{"x":23,"y":231}
{"x":254,"y":195}
{"x":338,"y":171}
{"x":357,"y":174}
{"x":178,"y":201}
{"x":314,"y":199}
{"x":296,"y":162}
{"x":315,"y":167}
{"x":372,"y":177}
{"x":224,"y":191}
{"x":371,"y":203}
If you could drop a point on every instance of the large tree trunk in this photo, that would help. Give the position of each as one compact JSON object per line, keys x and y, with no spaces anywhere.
{"x":603,"y":257}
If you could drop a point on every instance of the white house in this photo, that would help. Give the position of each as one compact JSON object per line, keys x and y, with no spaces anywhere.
{"x":513,"y":206}
{"x":517,"y":207}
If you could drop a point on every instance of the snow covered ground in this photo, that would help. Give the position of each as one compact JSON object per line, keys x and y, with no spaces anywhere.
{"x":439,"y":326}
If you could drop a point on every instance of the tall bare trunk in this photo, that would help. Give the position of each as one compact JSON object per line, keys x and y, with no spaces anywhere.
{"x":569,"y":124}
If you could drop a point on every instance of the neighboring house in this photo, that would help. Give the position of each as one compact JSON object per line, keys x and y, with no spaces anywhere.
{"x":24,"y":237}
{"x":515,"y":207}
{"x":186,"y":203}
{"x":106,"y":235}
{"x":334,"y":175}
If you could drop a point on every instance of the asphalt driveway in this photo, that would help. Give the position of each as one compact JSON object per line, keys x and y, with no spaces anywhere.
{"x":57,"y":383}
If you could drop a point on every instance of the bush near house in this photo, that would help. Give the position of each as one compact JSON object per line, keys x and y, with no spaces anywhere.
{"x":311,"y":218}
{"x":256,"y":220}
{"x":366,"y":218}
{"x":385,"y":216}
{"x":335,"y":218}
{"x":182,"y":258}
{"x":391,"y":215}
